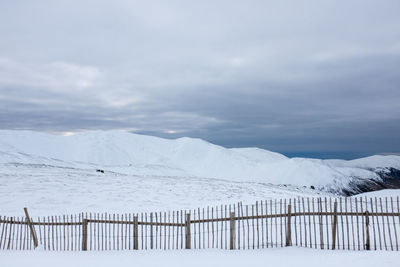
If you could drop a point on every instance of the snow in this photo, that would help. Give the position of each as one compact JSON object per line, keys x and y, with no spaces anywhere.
{"x":54,"y":174}
{"x":368,"y":162}
{"x":146,"y":155}
{"x":265,"y":257}
{"x":389,"y":193}
{"x":49,"y":190}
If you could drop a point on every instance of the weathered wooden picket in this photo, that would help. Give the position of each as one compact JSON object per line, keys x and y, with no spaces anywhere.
{"x":325,"y":223}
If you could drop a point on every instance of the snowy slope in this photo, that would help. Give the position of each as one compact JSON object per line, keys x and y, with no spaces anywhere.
{"x":129,"y":153}
{"x":57,"y":174}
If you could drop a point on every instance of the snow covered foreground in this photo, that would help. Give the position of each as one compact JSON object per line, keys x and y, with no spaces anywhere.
{"x":266,"y":257}
{"x":56,"y":175}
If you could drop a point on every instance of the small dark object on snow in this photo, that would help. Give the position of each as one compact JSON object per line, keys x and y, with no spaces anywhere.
{"x":98,"y":170}
{"x":312,"y":187}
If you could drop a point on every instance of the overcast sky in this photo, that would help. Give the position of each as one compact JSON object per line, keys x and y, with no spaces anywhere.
{"x":311,"y":78}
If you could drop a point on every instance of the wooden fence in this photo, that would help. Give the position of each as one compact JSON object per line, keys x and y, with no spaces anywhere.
{"x":324,"y":223}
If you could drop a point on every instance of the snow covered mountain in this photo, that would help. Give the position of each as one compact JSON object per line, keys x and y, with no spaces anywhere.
{"x":133,"y":154}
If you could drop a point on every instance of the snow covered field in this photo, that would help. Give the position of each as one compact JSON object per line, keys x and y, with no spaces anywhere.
{"x":266,"y":257}
{"x":56,"y":175}
{"x":56,"y":191}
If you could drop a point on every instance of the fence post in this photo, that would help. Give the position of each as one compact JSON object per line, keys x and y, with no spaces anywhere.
{"x":33,"y":233}
{"x":188,"y":238}
{"x":84,"y":239}
{"x":135,"y":233}
{"x":288,"y":227}
{"x":232,"y":231}
{"x":367,"y":243}
{"x":334,"y":226}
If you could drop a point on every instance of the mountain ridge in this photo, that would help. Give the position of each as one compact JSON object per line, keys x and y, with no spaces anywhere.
{"x":130,"y":153}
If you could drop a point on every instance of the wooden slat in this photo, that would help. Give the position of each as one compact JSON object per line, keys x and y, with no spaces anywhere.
{"x":32,"y":229}
{"x":188,"y":234}
{"x":341,"y":220}
{"x":212,"y":227}
{"x":165,"y":231}
{"x":258,"y":230}
{"x":280,"y":221}
{"x":262,"y":224}
{"x":377,"y":223}
{"x":372,"y":220}
{"x":305,"y":223}
{"x":216,"y":226}
{"x":10,"y":231}
{"x":173,"y":230}
{"x":321,"y":229}
{"x":181,"y":228}
{"x":248,"y":227}
{"x":309,"y":222}
{"x":398,"y":210}
{"x":15,"y":229}
{"x":103,"y":232}
{"x":276,"y":225}
{"x":204,"y":230}
{"x":383,"y":224}
{"x":44,"y":235}
{"x":352,"y":225}
{"x":394,"y":224}
{"x":160,"y":231}
{"x":238,"y":234}
{"x":52,"y":233}
{"x":315,"y":226}
{"x":56,"y":231}
{"x":194,"y":233}
{"x":362,"y":222}
{"x":2,"y":224}
{"x":106,"y":233}
{"x":225,"y":226}
{"x":388,"y":224}
{"x":85,"y":235}
{"x":300,"y":226}
{"x":118,"y":237}
{"x":169,"y":230}
{"x":367,"y":242}
{"x":327,"y":223}
{"x":136,"y":233}
{"x":334,"y":226}
{"x":266,"y":223}
{"x":253,"y":228}
{"x":99,"y":236}
{"x":347,"y":224}
{"x":288,"y":227}
{"x":142,"y":233}
{"x":156,"y":234}
{"x":232,"y":231}
{"x":80,"y":229}
{"x":222,"y":227}
{"x":295,"y":220}
{"x":64,"y":234}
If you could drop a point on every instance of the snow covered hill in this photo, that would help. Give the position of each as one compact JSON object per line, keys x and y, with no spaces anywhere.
{"x":133,"y":154}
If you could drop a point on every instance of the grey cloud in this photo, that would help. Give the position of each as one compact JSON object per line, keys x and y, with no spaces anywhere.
{"x":289,"y":76}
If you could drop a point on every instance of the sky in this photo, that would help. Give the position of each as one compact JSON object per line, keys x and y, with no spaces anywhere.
{"x":304,"y":78}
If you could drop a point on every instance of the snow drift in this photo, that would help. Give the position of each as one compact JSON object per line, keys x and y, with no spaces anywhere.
{"x":128,"y":153}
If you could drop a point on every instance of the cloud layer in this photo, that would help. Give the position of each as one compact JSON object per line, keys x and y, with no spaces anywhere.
{"x":290,"y":76}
